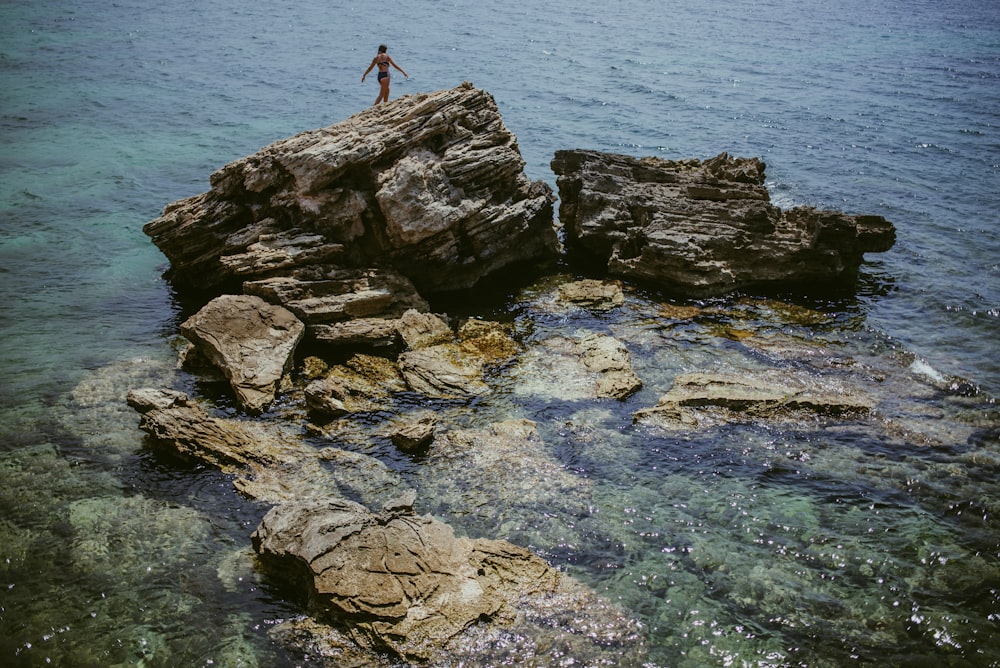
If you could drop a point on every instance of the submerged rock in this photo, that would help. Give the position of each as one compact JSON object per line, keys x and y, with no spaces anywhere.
{"x":416,"y":433}
{"x":704,"y":228}
{"x":709,"y":399}
{"x":588,"y":366}
{"x":429,"y":187}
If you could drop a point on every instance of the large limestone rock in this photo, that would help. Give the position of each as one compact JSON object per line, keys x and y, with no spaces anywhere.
{"x":704,"y":228}
{"x":404,"y":582}
{"x":428,"y":189}
{"x":251,"y":341}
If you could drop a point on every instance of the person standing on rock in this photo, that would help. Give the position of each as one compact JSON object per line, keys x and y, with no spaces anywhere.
{"x":383,"y":60}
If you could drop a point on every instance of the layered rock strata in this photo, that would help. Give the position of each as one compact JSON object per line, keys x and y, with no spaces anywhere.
{"x":405,"y":581}
{"x":703,"y":228}
{"x":428,"y":190}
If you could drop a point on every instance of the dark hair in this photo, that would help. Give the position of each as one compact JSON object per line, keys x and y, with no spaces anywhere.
{"x":382,"y":48}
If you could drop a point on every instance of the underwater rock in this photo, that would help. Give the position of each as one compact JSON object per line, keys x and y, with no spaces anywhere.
{"x":489,"y":471}
{"x":609,"y":359}
{"x":699,"y":400}
{"x":402,"y":581}
{"x":415,"y":434}
{"x":703,"y":228}
{"x":589,"y":366}
{"x":252,"y":342}
{"x":431,"y":186}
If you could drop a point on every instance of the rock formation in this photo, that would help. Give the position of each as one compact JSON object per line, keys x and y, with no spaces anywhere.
{"x":703,"y":228}
{"x":405,"y":582}
{"x":588,"y":366}
{"x":394,"y":581}
{"x":342,"y":222}
{"x":337,"y":237}
{"x":250,"y":341}
{"x":699,"y":400}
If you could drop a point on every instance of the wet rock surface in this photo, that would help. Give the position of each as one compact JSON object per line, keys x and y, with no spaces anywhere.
{"x":708,"y":399}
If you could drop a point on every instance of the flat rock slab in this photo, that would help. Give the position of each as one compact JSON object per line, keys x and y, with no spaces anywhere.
{"x":251,"y":341}
{"x":589,"y":366}
{"x":701,"y":400}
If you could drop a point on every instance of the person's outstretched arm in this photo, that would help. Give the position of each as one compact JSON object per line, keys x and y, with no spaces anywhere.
{"x":393,"y":63}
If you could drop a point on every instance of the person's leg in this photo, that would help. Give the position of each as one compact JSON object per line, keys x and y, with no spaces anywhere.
{"x":383,"y":95}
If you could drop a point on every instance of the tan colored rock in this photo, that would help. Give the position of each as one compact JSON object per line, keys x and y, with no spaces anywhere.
{"x":363,"y":383}
{"x":266,"y":464}
{"x":490,"y":340}
{"x":593,"y":294}
{"x":588,"y":366}
{"x":252,"y":342}
{"x":414,"y":434}
{"x":609,"y":359}
{"x":421,"y":330}
{"x":443,"y":371}
{"x":710,"y":399}
{"x":403,"y":581}
{"x":320,"y":295}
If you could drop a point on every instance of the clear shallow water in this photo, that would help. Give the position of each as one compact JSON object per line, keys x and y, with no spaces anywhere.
{"x":111,"y":111}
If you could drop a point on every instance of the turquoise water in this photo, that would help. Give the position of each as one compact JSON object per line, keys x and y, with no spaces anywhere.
{"x":111,"y":110}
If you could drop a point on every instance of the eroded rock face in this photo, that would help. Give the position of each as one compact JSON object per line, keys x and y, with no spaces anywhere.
{"x":703,"y":228}
{"x":430,"y":186}
{"x":251,"y":341}
{"x":404,"y":582}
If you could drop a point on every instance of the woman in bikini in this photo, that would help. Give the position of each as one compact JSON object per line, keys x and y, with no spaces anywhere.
{"x":383,"y":60}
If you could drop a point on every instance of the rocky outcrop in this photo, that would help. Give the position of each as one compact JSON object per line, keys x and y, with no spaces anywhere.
{"x":341,"y":222}
{"x":402,"y":581}
{"x":250,"y":341}
{"x":393,"y":581}
{"x":702,"y":228}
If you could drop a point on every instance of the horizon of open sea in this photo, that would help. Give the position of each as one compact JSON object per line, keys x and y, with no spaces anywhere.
{"x":110,"y":111}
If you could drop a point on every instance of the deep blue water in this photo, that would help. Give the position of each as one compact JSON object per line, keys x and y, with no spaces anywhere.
{"x":110,"y":110}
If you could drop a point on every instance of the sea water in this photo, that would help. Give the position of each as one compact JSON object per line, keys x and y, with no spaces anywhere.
{"x":109,"y":111}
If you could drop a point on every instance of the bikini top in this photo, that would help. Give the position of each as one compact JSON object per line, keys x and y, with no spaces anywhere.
{"x":383,"y":63}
